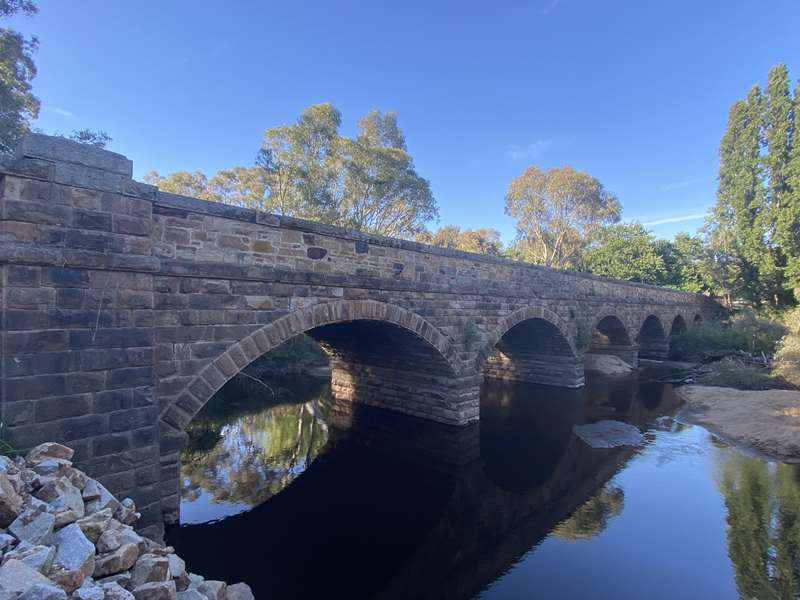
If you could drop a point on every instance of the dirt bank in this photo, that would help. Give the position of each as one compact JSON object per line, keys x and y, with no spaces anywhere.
{"x":767,"y":421}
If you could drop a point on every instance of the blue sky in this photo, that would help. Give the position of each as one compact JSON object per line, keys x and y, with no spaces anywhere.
{"x":635,"y":92}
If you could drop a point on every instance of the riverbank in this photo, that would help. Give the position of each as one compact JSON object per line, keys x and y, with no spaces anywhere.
{"x":766,"y":421}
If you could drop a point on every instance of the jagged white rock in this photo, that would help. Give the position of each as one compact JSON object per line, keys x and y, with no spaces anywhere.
{"x":68,"y":536}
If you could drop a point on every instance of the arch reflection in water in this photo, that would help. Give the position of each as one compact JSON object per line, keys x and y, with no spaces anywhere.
{"x":249,"y":442}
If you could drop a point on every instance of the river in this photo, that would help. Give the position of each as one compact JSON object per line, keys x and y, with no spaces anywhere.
{"x":302,"y":497}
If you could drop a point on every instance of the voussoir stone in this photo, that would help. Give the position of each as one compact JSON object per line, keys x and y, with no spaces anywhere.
{"x":10,"y":501}
{"x":48,"y":450}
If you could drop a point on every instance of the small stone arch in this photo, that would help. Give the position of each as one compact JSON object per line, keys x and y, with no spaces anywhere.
{"x":531,"y":344}
{"x":678,"y":325}
{"x":697,"y":319}
{"x":211,"y":378}
{"x":610,"y":336}
{"x":652,"y":338}
{"x":613,"y":327}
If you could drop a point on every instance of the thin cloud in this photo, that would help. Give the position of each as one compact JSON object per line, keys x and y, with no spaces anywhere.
{"x":535,"y":149}
{"x":62,"y":112}
{"x":679,"y":185}
{"x":676,"y":219}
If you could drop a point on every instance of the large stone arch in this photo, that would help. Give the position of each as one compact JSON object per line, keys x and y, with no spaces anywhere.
{"x":211,"y":378}
{"x":531,"y":344}
{"x":678,"y":325}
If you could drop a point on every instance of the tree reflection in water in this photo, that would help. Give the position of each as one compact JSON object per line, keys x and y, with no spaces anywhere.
{"x":763,"y":504}
{"x":593,"y":516}
{"x":248,"y":444}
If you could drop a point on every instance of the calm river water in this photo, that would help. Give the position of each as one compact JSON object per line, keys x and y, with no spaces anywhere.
{"x":303,"y":498}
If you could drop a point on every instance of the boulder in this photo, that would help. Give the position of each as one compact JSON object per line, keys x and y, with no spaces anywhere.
{"x":19,"y":577}
{"x":99,"y":498}
{"x":69,"y":579}
{"x":10,"y":501}
{"x":89,"y":591}
{"x":61,"y":495}
{"x":74,"y":550}
{"x":95,"y":524}
{"x":50,"y":466}
{"x":109,"y":540}
{"x":6,"y":542}
{"x":213,"y":590}
{"x":115,"y":592}
{"x":191,"y":594}
{"x":34,"y":526}
{"x":122,"y":579}
{"x":44,"y":591}
{"x":48,"y":450}
{"x":150,"y":568}
{"x":36,"y":557}
{"x":240,"y":591}
{"x":155,"y":590}
{"x":121,"y":559}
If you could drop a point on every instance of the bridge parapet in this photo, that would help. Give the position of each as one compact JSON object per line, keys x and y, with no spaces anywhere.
{"x":125,"y":308}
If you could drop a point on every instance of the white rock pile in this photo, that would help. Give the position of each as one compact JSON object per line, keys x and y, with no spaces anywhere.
{"x":63,"y":535}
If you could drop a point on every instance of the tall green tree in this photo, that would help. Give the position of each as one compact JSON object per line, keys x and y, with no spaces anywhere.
{"x":18,"y":105}
{"x":626,"y":251}
{"x":558,"y":213}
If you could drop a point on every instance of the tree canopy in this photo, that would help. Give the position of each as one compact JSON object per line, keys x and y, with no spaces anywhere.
{"x":558,"y":212}
{"x":18,"y":105}
{"x":479,"y":241}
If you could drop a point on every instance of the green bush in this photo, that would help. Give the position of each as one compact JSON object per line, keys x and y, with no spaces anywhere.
{"x":743,"y":377}
{"x":787,"y":359}
{"x":745,"y":331}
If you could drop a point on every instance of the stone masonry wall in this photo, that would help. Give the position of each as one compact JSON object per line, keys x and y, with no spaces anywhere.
{"x":124,"y":309}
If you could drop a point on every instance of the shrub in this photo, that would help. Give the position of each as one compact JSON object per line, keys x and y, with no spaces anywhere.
{"x":742,"y":377}
{"x":787,"y":359}
{"x":745,"y":331}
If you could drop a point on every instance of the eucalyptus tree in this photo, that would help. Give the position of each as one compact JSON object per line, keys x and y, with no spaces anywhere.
{"x":18,"y":105}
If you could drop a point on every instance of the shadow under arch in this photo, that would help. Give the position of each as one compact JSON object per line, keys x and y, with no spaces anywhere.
{"x":531,"y":345}
{"x":610,"y":336}
{"x":698,"y":318}
{"x":652,"y":340}
{"x":678,"y":325}
{"x":322,"y":322}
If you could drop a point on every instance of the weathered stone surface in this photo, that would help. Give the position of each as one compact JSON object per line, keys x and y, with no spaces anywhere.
{"x":213,"y":590}
{"x":34,"y":526}
{"x":37,"y":557}
{"x":89,"y":591}
{"x":49,"y":450}
{"x":154,"y":300}
{"x":69,"y":579}
{"x":149,"y":567}
{"x":10,"y":501}
{"x":73,"y":550}
{"x":6,"y":542}
{"x":19,"y":577}
{"x":114,"y":591}
{"x":95,"y":524}
{"x":191,"y":594}
{"x":109,"y":540}
{"x":240,"y":591}
{"x":609,"y":434}
{"x":121,"y":559}
{"x":161,"y":590}
{"x":44,"y":591}
{"x":61,"y":495}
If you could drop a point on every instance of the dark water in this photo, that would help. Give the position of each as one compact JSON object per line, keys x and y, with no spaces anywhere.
{"x":303,"y":498}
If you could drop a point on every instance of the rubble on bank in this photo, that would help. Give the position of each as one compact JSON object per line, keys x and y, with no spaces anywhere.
{"x":607,"y":364}
{"x":64,"y":535}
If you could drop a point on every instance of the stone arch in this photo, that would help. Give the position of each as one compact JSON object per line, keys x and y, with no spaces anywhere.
{"x":610,"y":336}
{"x":531,"y":344}
{"x":697,"y":319}
{"x":652,"y":339}
{"x":213,"y":376}
{"x":678,"y":325}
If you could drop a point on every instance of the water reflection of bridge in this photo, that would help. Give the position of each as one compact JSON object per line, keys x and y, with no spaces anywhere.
{"x":402,"y":508}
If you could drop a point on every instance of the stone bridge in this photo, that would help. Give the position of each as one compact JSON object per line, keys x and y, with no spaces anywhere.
{"x":124,"y":309}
